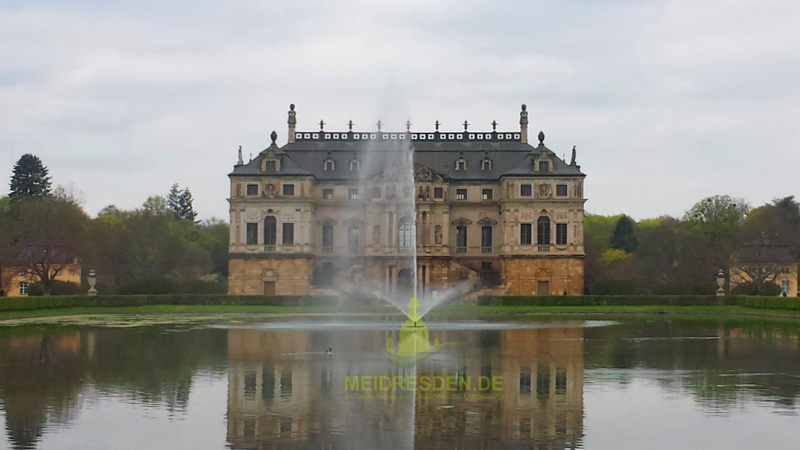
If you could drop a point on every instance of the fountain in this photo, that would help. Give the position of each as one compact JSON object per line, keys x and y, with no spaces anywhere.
{"x":387,"y":166}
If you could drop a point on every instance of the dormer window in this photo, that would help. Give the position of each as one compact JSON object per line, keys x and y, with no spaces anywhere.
{"x":461,"y":164}
{"x":486,"y":164}
{"x":355,"y":165}
{"x":544,"y":166}
{"x":271,"y":163}
{"x":330,"y":164}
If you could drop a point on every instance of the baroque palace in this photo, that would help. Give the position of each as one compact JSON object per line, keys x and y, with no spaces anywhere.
{"x":493,"y":213}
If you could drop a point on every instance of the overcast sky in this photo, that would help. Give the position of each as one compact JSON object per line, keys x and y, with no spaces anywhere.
{"x":667,"y":101}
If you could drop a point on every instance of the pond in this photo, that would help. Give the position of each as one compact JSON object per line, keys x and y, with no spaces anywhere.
{"x":630,"y":383}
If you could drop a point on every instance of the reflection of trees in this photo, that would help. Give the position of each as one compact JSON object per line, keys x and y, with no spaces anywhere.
{"x":720,"y":362}
{"x":43,"y":372}
{"x":152,"y":366}
{"x":40,"y":377}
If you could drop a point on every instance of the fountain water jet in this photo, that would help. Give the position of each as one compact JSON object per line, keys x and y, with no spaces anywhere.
{"x":386,"y":168}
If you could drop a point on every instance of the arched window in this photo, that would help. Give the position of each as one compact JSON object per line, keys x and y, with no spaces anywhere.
{"x":355,"y":165}
{"x":543,"y":231}
{"x":405,"y":233}
{"x":461,"y":164}
{"x":486,"y":164}
{"x":329,"y":164}
{"x":437,"y":235}
{"x":270,"y":233}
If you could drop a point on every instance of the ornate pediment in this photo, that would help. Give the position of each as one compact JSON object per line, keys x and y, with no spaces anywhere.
{"x":462,"y":221}
{"x":423,"y":173}
{"x":487,"y":221}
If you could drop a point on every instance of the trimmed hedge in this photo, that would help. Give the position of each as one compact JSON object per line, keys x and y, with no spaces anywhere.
{"x":76,"y":301}
{"x":792,"y":303}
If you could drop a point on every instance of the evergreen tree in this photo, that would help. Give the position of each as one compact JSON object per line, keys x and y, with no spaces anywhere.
{"x":30,"y":178}
{"x":174,"y":199}
{"x":185,"y":209}
{"x":624,"y":237}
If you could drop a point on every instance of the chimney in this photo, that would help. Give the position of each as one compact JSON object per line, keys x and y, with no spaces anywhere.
{"x":523,"y":124}
{"x":292,"y":122}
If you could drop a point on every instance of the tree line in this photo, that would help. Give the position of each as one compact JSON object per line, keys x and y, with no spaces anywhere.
{"x":159,"y":247}
{"x":669,"y":255}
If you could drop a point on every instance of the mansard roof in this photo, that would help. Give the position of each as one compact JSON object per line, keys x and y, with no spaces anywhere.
{"x":437,"y":151}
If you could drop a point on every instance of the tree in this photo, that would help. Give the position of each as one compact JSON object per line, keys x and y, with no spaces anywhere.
{"x":30,"y":178}
{"x":657,"y":256}
{"x":719,"y":209}
{"x":759,"y":263}
{"x":174,"y":199}
{"x":44,"y":235}
{"x":70,"y":194}
{"x":214,"y":238}
{"x":155,"y":205}
{"x":779,"y":220}
{"x":185,"y":209}
{"x":624,"y":236}
{"x":713,"y":230}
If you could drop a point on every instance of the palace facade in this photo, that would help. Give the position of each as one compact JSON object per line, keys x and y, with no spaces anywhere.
{"x":490,"y":212}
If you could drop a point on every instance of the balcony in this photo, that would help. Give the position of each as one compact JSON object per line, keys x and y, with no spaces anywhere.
{"x":476,"y":250}
{"x":544,"y":248}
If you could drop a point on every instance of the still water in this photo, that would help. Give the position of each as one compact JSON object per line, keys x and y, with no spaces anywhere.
{"x":632,"y":383}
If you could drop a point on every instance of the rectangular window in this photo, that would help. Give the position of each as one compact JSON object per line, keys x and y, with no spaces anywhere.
{"x":252,"y":233}
{"x":376,"y":192}
{"x":487,"y":194}
{"x":486,"y":239}
{"x":352,"y":194}
{"x":288,"y":234}
{"x":327,"y":239}
{"x":525,"y":190}
{"x":542,"y":381}
{"x":461,"y":194}
{"x":23,"y":288}
{"x":561,"y":190}
{"x":271,"y":166}
{"x":543,"y":231}
{"x":438,"y":192}
{"x":461,"y":239}
{"x":544,"y":166}
{"x":525,"y":233}
{"x":785,"y":287}
{"x":252,"y":189}
{"x":561,"y":381}
{"x":288,"y":190}
{"x":352,"y":239}
{"x":327,"y":194}
{"x":561,"y":234}
{"x":250,"y":385}
{"x":524,"y":380}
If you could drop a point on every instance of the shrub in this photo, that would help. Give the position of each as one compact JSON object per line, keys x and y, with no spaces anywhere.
{"x":750,"y":288}
{"x":59,"y":288}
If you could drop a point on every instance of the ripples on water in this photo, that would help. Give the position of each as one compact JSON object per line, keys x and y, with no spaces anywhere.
{"x":572,"y":384}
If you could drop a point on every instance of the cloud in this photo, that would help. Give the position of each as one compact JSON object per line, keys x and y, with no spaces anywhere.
{"x":667,"y":101}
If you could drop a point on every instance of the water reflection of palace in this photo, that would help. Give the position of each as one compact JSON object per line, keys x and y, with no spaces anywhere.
{"x":284,"y":392}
